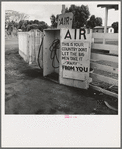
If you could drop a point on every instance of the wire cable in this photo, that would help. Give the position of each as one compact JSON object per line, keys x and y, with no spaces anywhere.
{"x":53,"y":48}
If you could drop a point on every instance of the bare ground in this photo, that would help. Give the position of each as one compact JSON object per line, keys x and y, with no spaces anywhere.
{"x":28,"y":92}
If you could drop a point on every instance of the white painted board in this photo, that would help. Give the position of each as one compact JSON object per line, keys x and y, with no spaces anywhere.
{"x":75,"y":58}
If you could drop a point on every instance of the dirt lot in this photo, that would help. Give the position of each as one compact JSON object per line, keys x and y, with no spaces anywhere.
{"x":28,"y":92}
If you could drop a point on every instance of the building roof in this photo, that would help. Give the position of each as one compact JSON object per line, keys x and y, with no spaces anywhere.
{"x":109,"y":6}
{"x":98,"y":27}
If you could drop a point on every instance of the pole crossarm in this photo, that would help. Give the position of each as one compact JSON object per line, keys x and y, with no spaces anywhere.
{"x":108,"y":6}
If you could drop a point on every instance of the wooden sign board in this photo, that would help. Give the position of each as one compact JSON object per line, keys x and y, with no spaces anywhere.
{"x":75,"y":60}
{"x":75,"y":57}
{"x":65,"y":20}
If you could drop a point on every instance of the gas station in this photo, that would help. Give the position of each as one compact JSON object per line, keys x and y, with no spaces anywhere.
{"x":65,"y":55}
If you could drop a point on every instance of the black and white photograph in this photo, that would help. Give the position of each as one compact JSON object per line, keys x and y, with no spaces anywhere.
{"x":61,"y":61}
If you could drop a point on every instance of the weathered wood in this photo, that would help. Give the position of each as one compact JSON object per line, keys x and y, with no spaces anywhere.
{"x":104,"y":91}
{"x":31,"y":48}
{"x":112,"y":48}
{"x":57,"y":64}
{"x":110,"y":36}
{"x":109,"y":80}
{"x":74,"y":76}
{"x":24,"y":45}
{"x":47,"y":62}
{"x":65,"y":20}
{"x":29,"y":43}
{"x":49,"y":36}
{"x":95,"y":56}
{"x":104,"y":67}
{"x":23,"y":56}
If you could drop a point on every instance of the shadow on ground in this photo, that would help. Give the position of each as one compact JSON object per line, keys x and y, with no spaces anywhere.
{"x":28,"y":92}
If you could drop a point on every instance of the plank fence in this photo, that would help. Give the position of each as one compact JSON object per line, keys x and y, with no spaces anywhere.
{"x":104,"y":61}
{"x":29,"y":43}
{"x":104,"y":58}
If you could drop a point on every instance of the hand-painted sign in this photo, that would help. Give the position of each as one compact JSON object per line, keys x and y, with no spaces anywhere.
{"x":75,"y":55}
{"x":80,"y":33}
{"x":65,"y":20}
{"x":75,"y":34}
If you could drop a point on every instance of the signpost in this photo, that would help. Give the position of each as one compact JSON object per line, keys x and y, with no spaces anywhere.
{"x":65,"y":20}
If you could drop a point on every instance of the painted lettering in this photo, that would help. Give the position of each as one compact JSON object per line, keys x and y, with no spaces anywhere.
{"x":74,"y":58}
{"x":65,"y":58}
{"x":67,"y":20}
{"x":64,"y":21}
{"x":71,"y":63}
{"x":79,"y":44}
{"x":61,"y":21}
{"x":65,"y":44}
{"x":68,"y":35}
{"x":65,"y":53}
{"x":80,"y":54}
{"x":85,"y":69}
{"x":82,"y":49}
{"x":68,"y":67}
{"x":82,"y":32}
{"x":69,"y":49}
{"x":71,"y":44}
{"x":80,"y":58}
{"x":73,"y":53}
{"x":82,"y":69}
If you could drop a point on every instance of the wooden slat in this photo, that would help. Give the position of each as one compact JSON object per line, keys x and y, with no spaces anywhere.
{"x":105,"y":35}
{"x":111,"y":36}
{"x":47,"y":62}
{"x":109,"y":80}
{"x":81,"y":84}
{"x":74,"y":75}
{"x":95,"y":56}
{"x":23,"y":38}
{"x":98,"y":35}
{"x":114,"y":52}
{"x":22,"y":54}
{"x":57,"y":36}
{"x":104,"y":67}
{"x":104,"y":91}
{"x":105,"y":47}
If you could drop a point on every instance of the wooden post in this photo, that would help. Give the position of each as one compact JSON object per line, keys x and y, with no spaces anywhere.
{"x":63,"y":9}
{"x":106,"y":19}
{"x":91,"y":38}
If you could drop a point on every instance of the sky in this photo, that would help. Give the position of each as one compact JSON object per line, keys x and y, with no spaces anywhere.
{"x":43,"y":10}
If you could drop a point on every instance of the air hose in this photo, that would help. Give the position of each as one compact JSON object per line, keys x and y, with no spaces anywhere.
{"x":53,"y":48}
{"x":109,"y":106}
